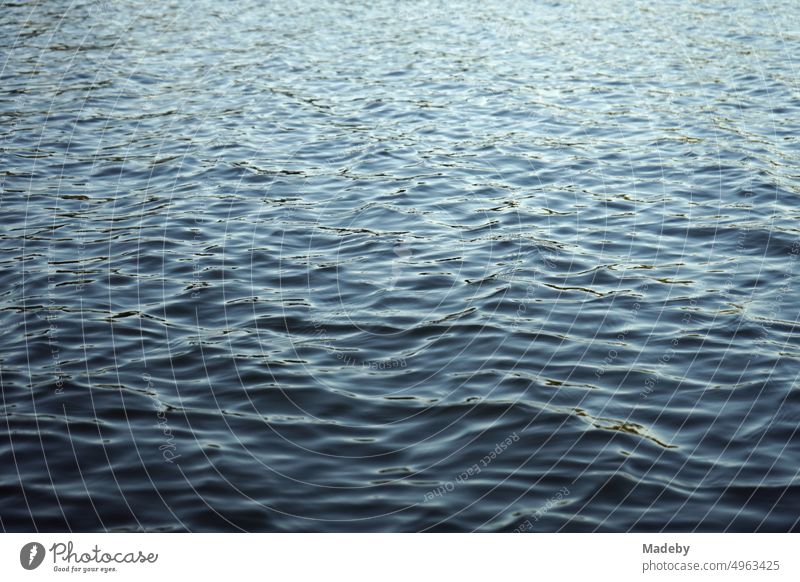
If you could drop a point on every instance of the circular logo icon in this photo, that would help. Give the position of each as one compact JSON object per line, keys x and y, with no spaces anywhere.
{"x":31,"y":555}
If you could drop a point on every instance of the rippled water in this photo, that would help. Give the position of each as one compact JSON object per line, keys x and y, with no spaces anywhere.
{"x":406,"y":266}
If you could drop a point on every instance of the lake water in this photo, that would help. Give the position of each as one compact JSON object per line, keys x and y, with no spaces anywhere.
{"x":452,"y":266}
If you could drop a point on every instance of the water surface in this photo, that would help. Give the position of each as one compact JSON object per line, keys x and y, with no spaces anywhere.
{"x":455,"y":266}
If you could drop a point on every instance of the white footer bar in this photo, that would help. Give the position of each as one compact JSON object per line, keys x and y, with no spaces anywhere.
{"x":400,"y":557}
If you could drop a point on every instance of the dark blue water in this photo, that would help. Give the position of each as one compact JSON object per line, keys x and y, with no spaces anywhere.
{"x":496,"y":266}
